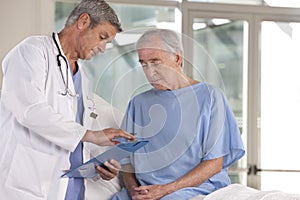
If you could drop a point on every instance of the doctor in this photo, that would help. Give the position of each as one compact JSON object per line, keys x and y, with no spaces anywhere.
{"x":45,"y":110}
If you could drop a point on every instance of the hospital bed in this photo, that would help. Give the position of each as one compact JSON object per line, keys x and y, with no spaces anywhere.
{"x":241,"y":192}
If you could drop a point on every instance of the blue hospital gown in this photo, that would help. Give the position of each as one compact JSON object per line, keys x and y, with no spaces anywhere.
{"x":184,"y":127}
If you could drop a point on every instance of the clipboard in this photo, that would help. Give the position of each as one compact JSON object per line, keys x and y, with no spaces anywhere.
{"x":117,"y":152}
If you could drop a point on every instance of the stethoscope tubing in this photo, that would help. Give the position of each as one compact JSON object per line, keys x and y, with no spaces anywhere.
{"x":66,"y":82}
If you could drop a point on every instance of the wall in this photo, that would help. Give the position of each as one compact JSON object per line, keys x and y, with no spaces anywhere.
{"x":21,"y":18}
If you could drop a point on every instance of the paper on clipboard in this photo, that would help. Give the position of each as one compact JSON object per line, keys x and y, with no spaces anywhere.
{"x":118,"y":152}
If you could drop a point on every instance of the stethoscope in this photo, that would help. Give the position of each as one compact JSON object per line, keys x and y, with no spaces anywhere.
{"x":66,"y":82}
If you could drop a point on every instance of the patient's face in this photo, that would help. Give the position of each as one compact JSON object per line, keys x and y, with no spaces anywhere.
{"x":160,"y":67}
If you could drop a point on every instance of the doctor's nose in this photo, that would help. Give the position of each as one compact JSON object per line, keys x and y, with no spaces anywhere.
{"x":102,"y":47}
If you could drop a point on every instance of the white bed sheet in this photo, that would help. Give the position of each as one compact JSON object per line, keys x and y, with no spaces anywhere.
{"x":241,"y":192}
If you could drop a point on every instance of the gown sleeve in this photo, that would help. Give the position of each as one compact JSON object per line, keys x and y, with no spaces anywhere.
{"x":223,"y":136}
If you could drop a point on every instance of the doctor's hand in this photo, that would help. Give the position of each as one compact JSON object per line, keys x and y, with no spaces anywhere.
{"x":110,"y":170}
{"x":106,"y":137}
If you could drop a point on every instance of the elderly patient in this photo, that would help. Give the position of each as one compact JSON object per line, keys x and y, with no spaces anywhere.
{"x":192,"y":133}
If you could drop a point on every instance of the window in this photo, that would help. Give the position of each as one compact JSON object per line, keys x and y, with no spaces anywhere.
{"x":274,"y":3}
{"x":219,"y":57}
{"x":250,"y":2}
{"x":116,"y":74}
{"x":280,"y":105}
{"x":248,"y":51}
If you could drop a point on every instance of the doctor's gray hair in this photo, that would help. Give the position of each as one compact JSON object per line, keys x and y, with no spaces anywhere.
{"x":170,"y":40}
{"x":99,"y":12}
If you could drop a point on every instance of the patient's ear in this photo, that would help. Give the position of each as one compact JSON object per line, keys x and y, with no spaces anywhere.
{"x":178,"y":58}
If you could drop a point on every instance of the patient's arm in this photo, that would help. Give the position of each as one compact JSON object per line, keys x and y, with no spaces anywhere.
{"x":129,"y":179}
{"x":195,"y":177}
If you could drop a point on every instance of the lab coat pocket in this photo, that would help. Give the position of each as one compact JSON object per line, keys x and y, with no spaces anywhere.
{"x":31,"y":172}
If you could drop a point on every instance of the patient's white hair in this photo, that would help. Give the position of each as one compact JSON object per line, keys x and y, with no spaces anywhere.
{"x":165,"y":39}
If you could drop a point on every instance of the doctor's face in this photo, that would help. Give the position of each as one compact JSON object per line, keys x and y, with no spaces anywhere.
{"x":160,"y":67}
{"x":92,"y":41}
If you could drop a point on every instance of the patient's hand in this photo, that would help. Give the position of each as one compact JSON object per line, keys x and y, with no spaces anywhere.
{"x":153,"y":192}
{"x":132,"y":192}
{"x":113,"y":168}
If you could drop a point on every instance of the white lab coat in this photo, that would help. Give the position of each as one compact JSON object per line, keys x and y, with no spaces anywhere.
{"x":37,"y":128}
{"x":98,"y":189}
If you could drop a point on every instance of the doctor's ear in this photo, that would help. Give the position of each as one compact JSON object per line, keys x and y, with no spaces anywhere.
{"x":83,"y":21}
